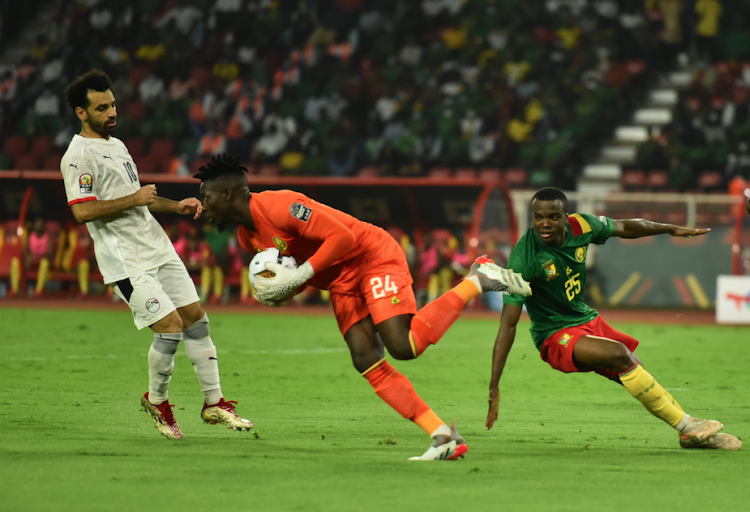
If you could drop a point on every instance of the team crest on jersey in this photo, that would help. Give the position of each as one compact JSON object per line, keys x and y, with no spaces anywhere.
{"x":565,"y":339}
{"x":550,"y":270}
{"x":86,"y":183}
{"x":300,"y":211}
{"x":580,"y":254}
{"x":152,"y":305}
{"x":279,"y":243}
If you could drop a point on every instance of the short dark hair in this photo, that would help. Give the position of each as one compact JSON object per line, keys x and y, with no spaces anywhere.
{"x":221,"y":165}
{"x":77,"y":92}
{"x":551,"y":194}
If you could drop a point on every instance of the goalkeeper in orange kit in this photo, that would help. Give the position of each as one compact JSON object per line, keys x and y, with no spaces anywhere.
{"x":367,"y":275}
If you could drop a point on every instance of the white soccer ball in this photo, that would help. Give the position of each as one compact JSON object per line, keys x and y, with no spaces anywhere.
{"x":258,"y":269}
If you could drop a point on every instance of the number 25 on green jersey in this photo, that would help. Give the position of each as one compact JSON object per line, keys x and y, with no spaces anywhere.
{"x":573,"y":286}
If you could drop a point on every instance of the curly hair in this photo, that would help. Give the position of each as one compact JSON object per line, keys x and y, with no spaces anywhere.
{"x":221,"y":165}
{"x":77,"y":92}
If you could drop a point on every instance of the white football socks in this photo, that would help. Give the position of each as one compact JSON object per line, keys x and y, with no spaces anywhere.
{"x":161,"y":364}
{"x":202,"y":352}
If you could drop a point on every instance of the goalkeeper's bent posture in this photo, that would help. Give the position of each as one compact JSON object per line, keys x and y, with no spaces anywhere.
{"x":570,"y":335}
{"x":365,"y":271}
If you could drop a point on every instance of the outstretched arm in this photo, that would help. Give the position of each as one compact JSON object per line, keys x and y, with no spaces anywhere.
{"x":87,"y":211}
{"x":506,"y":335}
{"x":188,"y":206}
{"x":636,"y":228}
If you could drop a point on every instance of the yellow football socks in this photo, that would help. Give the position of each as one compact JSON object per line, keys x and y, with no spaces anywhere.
{"x":652,"y":395}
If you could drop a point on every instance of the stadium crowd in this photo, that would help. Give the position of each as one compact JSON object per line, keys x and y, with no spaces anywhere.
{"x":332,"y":87}
{"x":391,"y":88}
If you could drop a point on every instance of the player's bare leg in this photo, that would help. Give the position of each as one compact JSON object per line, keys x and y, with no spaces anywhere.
{"x":367,"y":351}
{"x":592,"y":352}
{"x":202,"y":352}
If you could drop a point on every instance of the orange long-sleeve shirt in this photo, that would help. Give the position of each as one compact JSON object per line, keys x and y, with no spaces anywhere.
{"x":310,"y":231}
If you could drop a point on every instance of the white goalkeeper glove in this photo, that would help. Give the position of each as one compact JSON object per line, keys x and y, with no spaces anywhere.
{"x":272,"y":303}
{"x":286,"y":281}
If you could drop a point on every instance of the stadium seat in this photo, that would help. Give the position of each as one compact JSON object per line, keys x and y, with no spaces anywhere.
{"x":42,"y":145}
{"x":147,"y":164}
{"x":633,"y":180}
{"x":28,"y":162}
{"x":135,"y":111}
{"x":15,"y":146}
{"x":162,"y":150}
{"x":439,"y":173}
{"x":52,"y":162}
{"x":516,"y":178}
{"x":201,"y":75}
{"x":135,"y":146}
{"x":466,"y":173}
{"x":710,"y":181}
{"x":489,"y":174}
{"x":269,"y":170}
{"x":368,"y":172}
{"x":137,"y":75}
{"x":657,"y":180}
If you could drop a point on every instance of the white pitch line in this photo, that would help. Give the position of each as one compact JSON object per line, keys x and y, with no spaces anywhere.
{"x":283,"y":352}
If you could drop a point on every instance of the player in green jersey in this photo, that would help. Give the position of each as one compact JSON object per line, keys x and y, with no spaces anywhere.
{"x":570,"y":335}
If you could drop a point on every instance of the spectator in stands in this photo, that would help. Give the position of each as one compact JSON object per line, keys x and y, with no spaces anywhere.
{"x":738,"y":163}
{"x":152,"y":89}
{"x":39,"y":252}
{"x":650,"y":154}
{"x":47,"y":104}
{"x":152,"y":49}
{"x":343,"y":162}
{"x":707,"y":28}
{"x":40,"y":48}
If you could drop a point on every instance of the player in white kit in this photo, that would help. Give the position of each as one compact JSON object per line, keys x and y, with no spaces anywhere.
{"x":136,"y":257}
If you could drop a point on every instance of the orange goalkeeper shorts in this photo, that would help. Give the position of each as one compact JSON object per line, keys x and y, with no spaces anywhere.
{"x":380,"y":287}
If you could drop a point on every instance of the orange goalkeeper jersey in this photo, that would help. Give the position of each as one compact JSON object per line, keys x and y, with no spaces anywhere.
{"x":310,"y":231}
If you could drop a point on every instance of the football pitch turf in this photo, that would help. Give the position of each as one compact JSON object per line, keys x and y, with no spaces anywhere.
{"x":73,"y":436}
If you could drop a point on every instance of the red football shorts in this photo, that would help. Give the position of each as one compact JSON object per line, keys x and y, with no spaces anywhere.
{"x":557,"y":350}
{"x":380,"y":287}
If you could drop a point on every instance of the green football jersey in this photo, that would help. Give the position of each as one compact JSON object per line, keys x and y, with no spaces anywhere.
{"x":557,"y":275}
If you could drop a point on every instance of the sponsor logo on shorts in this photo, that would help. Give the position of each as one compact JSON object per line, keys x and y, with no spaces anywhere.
{"x":394,"y":300}
{"x":86,"y":183}
{"x":152,"y":305}
{"x":279,"y":243}
{"x":565,"y":340}
{"x":300,"y":211}
{"x":580,"y":254}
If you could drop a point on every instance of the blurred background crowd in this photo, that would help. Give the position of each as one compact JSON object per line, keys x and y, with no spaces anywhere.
{"x":389,"y":88}
{"x":393,"y":88}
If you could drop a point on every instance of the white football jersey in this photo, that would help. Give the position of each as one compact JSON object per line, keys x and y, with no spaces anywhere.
{"x":130,"y":242}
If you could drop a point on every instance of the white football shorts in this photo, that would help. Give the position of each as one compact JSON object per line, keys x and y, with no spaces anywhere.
{"x":157,"y":292}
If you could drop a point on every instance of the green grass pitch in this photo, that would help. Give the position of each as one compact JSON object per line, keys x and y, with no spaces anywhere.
{"x":73,"y":437}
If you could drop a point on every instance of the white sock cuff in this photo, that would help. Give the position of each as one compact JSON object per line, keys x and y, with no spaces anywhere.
{"x":683,"y":422}
{"x":442,"y":430}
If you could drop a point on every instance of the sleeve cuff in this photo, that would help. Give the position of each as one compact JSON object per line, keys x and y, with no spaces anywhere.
{"x":81,"y":200}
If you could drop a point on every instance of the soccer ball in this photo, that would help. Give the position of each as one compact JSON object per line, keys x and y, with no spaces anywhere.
{"x":258,"y":269}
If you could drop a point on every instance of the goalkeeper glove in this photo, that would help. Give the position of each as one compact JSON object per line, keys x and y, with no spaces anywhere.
{"x":286,"y":281}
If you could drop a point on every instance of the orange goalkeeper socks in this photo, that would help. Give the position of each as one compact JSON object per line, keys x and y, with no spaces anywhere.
{"x":396,"y":390}
{"x":433,"y":321}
